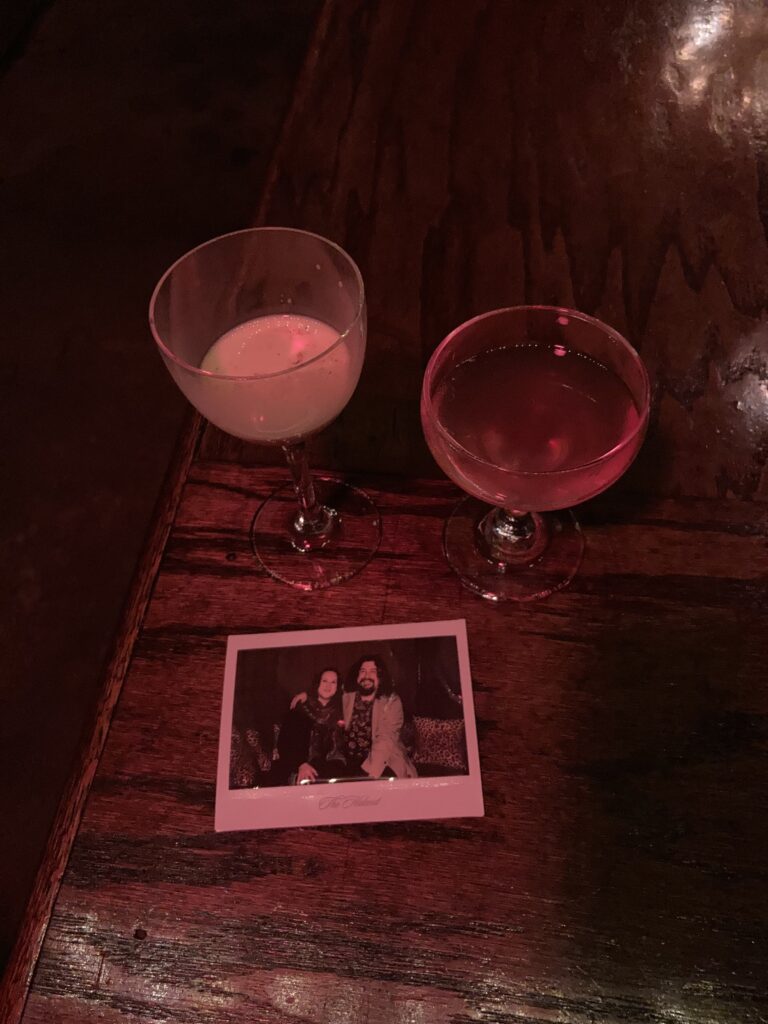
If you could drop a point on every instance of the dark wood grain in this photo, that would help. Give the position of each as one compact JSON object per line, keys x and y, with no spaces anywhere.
{"x":610,"y":156}
{"x":618,"y":874}
{"x":473,"y":155}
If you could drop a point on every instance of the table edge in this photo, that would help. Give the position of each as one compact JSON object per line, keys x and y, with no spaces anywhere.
{"x":26,"y":949}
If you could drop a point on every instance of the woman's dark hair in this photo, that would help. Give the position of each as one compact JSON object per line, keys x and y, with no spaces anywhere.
{"x":386,"y":686}
{"x":315,"y":685}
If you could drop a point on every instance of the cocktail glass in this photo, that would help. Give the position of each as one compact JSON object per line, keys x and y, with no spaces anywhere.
{"x":264,"y":331}
{"x":530,"y":409}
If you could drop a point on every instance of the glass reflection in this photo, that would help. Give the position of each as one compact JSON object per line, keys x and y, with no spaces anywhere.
{"x":720,"y":52}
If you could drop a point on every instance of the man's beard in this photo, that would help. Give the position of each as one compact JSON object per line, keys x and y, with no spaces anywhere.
{"x":366,"y":686}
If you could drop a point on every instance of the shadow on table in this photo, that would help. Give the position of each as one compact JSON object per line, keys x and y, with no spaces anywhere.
{"x":666,"y":879}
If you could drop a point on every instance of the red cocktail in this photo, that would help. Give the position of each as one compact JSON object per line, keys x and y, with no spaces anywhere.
{"x":529,"y":409}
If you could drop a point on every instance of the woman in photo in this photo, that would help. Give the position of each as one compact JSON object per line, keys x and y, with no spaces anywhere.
{"x":310,"y":742}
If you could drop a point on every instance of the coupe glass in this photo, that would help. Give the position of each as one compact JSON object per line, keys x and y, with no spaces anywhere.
{"x":287,"y":309}
{"x":529,"y":409}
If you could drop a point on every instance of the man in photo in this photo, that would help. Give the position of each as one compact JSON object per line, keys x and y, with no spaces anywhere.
{"x":373,"y":720}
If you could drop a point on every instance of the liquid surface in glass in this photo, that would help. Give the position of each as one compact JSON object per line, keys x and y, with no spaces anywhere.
{"x":535,"y":408}
{"x":286,"y":406}
{"x":269,"y":344}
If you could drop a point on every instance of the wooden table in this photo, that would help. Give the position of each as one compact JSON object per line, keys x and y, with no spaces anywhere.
{"x":471,"y":155}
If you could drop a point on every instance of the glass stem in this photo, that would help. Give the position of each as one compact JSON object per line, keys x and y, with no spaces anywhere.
{"x":314,"y":524}
{"x":512,"y":539}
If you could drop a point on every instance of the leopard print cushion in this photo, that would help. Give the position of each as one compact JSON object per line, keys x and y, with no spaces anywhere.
{"x":247,"y":756}
{"x":262,"y":756}
{"x":440,"y":742}
{"x":241,"y":774}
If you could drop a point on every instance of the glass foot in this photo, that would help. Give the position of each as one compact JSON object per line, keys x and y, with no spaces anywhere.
{"x":350,"y":537}
{"x":555,"y":560}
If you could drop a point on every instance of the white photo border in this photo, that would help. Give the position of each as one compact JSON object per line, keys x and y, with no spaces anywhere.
{"x":344,"y":803}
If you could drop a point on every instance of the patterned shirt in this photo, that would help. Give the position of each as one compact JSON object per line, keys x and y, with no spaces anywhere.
{"x":359,"y":734}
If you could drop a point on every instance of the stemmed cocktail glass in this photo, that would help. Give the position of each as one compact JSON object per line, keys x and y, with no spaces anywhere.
{"x":264,"y":331}
{"x":530,"y":409}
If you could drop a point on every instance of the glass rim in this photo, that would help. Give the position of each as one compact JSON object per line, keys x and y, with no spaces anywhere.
{"x":575,"y":314}
{"x":209,"y":374}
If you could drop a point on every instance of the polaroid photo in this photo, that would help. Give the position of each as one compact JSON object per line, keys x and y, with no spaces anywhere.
{"x":335,"y":726}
